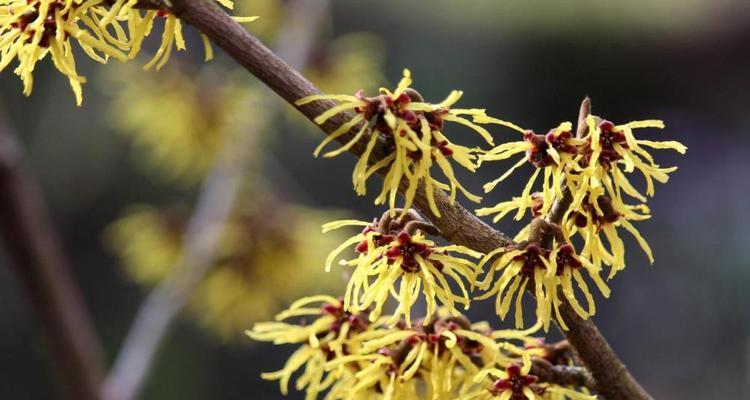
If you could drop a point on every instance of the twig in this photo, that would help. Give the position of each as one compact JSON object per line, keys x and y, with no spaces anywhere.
{"x":162,"y":305}
{"x":457,"y":224}
{"x":41,"y":266}
{"x":217,"y":198}
{"x":562,"y":375}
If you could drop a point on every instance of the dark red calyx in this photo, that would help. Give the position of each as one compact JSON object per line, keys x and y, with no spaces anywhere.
{"x":537,"y":203}
{"x":560,"y":141}
{"x":566,"y":256}
{"x":537,"y":155}
{"x":532,"y":259}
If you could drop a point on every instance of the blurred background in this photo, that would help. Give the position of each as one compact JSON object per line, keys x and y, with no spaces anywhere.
{"x":122,"y":173}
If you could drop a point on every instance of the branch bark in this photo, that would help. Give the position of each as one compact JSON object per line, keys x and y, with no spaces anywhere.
{"x":457,"y":224}
{"x":562,"y":375}
{"x":37,"y":258}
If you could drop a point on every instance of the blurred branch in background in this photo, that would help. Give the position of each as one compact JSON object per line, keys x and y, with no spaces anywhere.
{"x":38,"y":260}
{"x":218,"y":195}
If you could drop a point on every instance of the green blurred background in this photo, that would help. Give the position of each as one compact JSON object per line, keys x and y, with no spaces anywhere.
{"x":682,"y":326}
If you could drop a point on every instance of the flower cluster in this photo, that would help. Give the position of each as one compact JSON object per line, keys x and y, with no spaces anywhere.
{"x":265,"y":253}
{"x":546,"y":273}
{"x":411,"y":137}
{"x":554,"y":154}
{"x":351,"y":356}
{"x":516,"y":383}
{"x":590,"y":170}
{"x":31,"y":29}
{"x":395,"y":259}
{"x":599,"y":204}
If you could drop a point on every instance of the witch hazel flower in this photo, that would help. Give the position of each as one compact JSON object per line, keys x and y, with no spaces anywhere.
{"x":444,"y":354}
{"x":598,"y":222}
{"x":32,"y":29}
{"x":331,"y":333}
{"x":612,"y":151}
{"x":395,"y":259}
{"x":516,"y":382}
{"x":411,"y":139}
{"x":545,"y":273}
{"x":553,"y":155}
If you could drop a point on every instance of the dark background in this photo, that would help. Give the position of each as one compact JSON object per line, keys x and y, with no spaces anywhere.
{"x":682,"y":325}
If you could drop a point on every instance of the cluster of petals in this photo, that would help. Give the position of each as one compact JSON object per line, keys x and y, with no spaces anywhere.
{"x":349,"y":356}
{"x":32,"y":29}
{"x":592,"y":170}
{"x":405,"y":136}
{"x":394,"y":261}
{"x":547,"y":273}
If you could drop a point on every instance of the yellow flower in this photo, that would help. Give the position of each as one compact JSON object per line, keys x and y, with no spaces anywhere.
{"x":332,"y":333}
{"x":147,"y":241}
{"x":608,"y":152}
{"x":411,"y":131}
{"x":272,"y":12}
{"x":549,"y":272}
{"x":29,"y":30}
{"x":555,"y":153}
{"x":448,"y":352}
{"x":179,"y":131}
{"x":141,"y":23}
{"x":347,"y":357}
{"x":377,"y":376}
{"x":389,"y":254}
{"x":516,"y":383}
{"x":603,"y":216}
{"x":609,"y":147}
{"x":266,"y":257}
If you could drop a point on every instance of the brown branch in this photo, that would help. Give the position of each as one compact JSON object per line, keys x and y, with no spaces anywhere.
{"x":38,"y":260}
{"x":457,"y":224}
{"x":562,"y":375}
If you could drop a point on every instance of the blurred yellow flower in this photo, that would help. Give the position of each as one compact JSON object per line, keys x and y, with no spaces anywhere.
{"x":349,"y":63}
{"x":179,"y":131}
{"x":271,"y":12}
{"x":267,"y":256}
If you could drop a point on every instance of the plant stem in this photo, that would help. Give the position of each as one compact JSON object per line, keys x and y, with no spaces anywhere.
{"x":38,"y":260}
